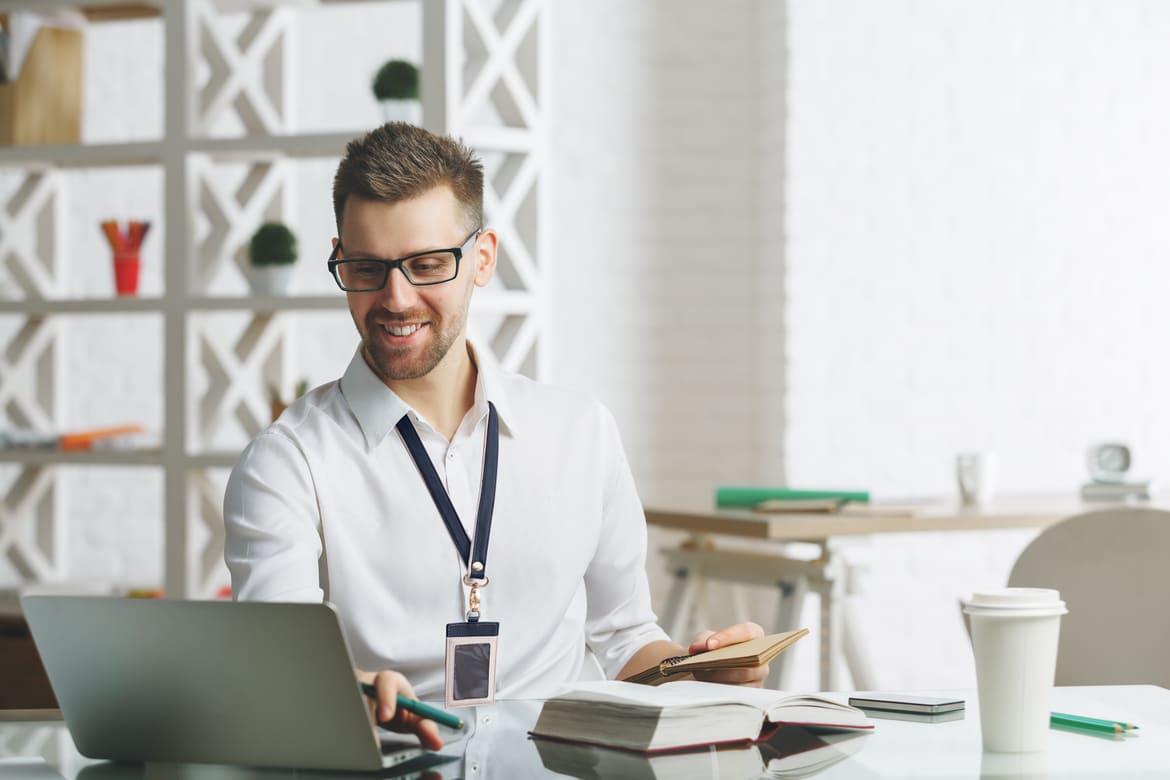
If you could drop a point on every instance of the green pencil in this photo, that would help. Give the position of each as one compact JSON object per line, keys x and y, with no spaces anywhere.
{"x":1092,"y":724}
{"x":418,"y":708}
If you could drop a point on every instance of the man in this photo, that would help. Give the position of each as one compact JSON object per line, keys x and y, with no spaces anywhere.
{"x":332,"y":501}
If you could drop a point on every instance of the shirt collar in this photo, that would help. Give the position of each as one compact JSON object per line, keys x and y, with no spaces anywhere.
{"x":378,"y":408}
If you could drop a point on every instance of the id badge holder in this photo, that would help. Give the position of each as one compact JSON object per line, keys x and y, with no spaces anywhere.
{"x":471,"y":663}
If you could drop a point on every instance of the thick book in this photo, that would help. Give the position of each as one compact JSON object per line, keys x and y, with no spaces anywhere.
{"x":787,"y":753}
{"x":684,"y":715}
{"x":836,"y":506}
{"x":749,"y":654}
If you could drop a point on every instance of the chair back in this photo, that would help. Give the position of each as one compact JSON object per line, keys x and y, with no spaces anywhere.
{"x":1112,"y":568}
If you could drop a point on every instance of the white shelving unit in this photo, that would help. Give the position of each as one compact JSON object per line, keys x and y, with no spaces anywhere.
{"x":484,"y":78}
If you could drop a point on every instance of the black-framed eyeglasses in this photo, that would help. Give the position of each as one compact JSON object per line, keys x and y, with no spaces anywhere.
{"x":368,"y":274}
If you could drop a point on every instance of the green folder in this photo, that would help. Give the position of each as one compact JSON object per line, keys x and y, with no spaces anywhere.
{"x":744,"y":496}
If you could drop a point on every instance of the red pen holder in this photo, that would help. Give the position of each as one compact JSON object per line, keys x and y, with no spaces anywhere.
{"x":126,"y":266}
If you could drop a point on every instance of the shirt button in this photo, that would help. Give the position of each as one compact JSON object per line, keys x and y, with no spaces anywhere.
{"x":450,"y":456}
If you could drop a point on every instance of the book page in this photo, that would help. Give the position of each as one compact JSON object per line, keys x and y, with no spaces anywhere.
{"x":685,"y":693}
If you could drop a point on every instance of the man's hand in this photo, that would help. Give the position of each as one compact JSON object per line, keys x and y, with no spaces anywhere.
{"x":386,"y":713}
{"x":711,"y":640}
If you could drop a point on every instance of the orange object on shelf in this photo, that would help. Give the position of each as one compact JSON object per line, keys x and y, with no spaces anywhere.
{"x":146,"y":593}
{"x":83,"y":440}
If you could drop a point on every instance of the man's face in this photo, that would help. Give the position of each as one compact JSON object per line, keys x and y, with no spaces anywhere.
{"x":406,"y":330}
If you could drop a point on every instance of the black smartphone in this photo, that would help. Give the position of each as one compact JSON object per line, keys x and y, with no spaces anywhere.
{"x":896,"y":702}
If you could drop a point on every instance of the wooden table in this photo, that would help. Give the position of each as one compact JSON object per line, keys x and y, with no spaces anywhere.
{"x":699,"y":557}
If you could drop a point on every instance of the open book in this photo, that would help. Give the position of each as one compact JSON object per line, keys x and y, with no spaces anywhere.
{"x":789,"y":753}
{"x":683,"y":714}
{"x":754,"y":652}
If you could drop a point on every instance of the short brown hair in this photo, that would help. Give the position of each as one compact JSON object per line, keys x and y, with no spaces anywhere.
{"x":399,"y":161}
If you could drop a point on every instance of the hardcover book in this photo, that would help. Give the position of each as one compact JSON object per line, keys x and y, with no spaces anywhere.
{"x":683,"y":715}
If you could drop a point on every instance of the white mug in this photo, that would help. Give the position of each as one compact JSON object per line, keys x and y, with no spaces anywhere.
{"x":976,"y":474}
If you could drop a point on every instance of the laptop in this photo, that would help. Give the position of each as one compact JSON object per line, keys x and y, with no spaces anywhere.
{"x":214,"y":682}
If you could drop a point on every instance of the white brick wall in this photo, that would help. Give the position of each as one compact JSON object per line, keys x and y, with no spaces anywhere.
{"x":977,"y":259}
{"x":655,"y":170}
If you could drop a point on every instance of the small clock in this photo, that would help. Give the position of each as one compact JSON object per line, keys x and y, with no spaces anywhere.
{"x":1109,"y":462}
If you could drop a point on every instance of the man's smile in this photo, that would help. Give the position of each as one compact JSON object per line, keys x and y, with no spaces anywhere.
{"x":403,"y":330}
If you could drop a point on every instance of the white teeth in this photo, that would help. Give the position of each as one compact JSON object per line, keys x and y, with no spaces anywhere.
{"x":402,"y":330}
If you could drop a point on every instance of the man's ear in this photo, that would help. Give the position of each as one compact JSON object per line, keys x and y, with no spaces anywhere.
{"x":484,"y":254}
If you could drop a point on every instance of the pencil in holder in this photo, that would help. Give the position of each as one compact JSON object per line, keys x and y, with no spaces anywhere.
{"x":127,"y":262}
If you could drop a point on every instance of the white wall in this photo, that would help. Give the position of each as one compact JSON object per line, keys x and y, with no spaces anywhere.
{"x":978,"y":238}
{"x":656,"y":229}
{"x":970,"y":256}
{"x":977,"y":257}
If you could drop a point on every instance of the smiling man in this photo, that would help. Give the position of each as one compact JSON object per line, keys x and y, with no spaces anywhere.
{"x":476,"y":531}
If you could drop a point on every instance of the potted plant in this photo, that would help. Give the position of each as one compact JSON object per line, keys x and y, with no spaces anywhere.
{"x":396,"y":88}
{"x":272,"y":252}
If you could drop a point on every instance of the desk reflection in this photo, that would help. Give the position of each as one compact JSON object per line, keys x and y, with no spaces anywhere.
{"x":494,"y":744}
{"x":789,"y":752}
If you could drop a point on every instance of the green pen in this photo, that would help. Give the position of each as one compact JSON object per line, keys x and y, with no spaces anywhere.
{"x":418,"y":708}
{"x":1092,"y":724}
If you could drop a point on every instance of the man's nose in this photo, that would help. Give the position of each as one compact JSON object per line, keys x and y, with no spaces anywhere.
{"x":399,"y":293}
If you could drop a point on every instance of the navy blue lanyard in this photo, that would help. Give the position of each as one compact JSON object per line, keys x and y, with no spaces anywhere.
{"x":487,"y":493}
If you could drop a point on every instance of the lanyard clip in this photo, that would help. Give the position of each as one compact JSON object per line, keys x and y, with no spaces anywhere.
{"x":473,"y":603}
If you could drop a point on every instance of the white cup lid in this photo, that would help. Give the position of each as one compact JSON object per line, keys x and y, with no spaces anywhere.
{"x":1013,"y":600}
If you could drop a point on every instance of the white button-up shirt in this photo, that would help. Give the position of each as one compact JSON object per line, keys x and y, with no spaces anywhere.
{"x":326,"y":503}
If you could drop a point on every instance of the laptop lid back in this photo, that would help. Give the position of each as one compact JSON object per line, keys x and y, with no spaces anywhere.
{"x":259,"y":684}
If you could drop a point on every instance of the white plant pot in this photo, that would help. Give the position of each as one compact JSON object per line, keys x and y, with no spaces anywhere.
{"x":402,"y":110}
{"x":270,"y":280}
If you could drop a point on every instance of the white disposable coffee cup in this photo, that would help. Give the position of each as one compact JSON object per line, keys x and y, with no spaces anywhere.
{"x":1014,"y":632}
{"x":976,"y":474}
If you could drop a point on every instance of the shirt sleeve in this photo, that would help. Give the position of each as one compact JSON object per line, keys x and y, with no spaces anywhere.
{"x":272,"y":538}
{"x":619,"y":619}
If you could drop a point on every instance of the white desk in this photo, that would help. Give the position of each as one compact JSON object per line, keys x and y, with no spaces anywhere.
{"x":700,"y":557}
{"x":498,"y":747}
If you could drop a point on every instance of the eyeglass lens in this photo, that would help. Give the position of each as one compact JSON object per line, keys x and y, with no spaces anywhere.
{"x":359,"y":275}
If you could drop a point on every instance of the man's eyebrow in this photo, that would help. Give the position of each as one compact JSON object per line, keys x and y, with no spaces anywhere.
{"x":360,"y":255}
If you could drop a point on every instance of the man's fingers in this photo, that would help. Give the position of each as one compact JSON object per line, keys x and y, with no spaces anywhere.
{"x":390,"y":685}
{"x":740,"y":632}
{"x":428,"y":734}
{"x":699,"y":643}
